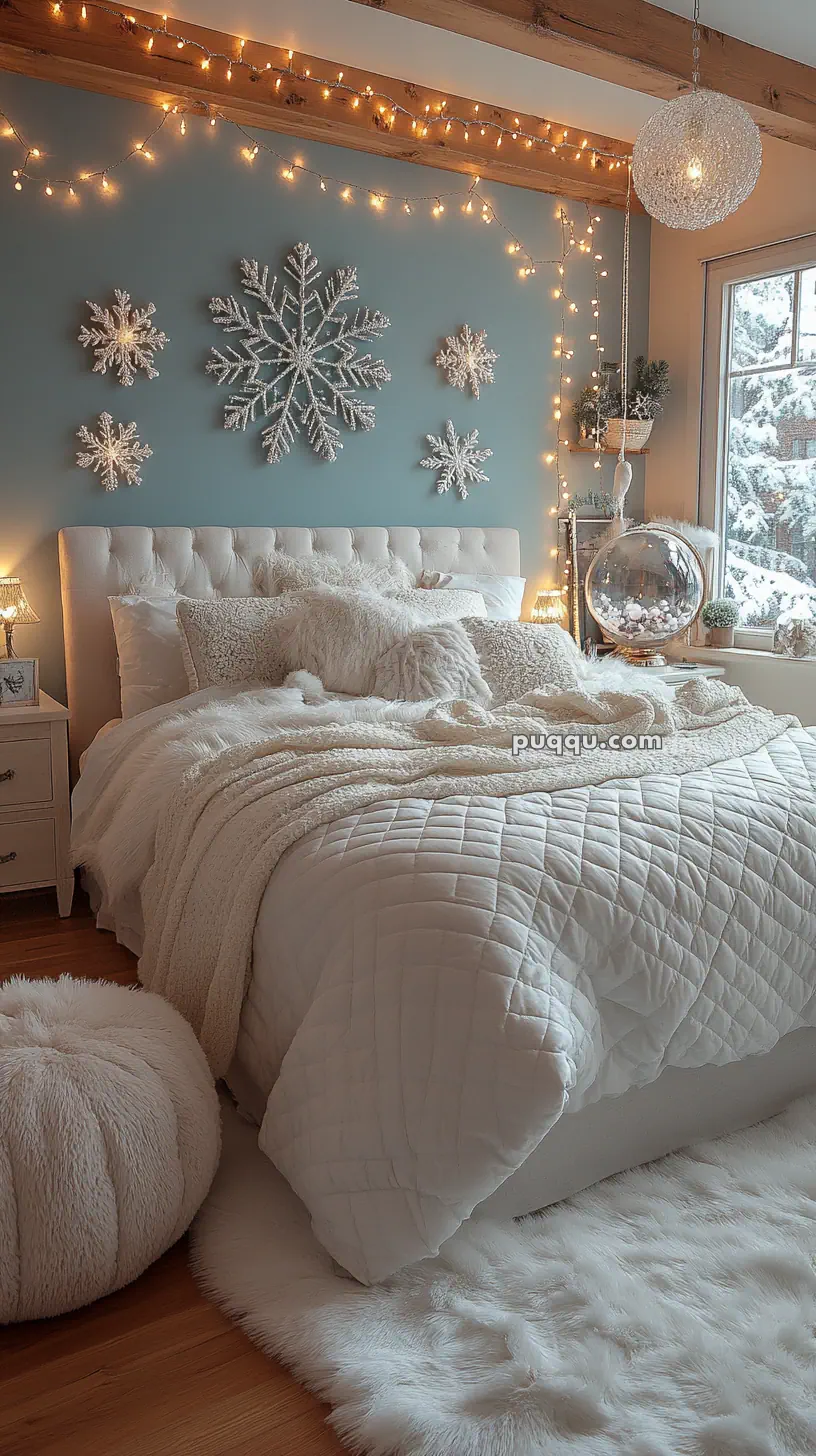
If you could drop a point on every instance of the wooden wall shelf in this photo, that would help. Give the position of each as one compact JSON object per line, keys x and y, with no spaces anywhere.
{"x":607,"y":450}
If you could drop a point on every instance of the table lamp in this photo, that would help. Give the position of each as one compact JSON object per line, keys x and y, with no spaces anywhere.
{"x":14,"y":609}
{"x":549,"y":606}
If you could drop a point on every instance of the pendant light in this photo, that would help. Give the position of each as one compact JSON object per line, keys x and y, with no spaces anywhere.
{"x":698,"y":158}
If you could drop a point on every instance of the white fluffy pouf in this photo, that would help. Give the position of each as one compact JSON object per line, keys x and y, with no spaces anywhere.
{"x":109,"y":1139}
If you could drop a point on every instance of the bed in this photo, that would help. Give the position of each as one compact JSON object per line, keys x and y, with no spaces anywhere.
{"x":606,"y":1126}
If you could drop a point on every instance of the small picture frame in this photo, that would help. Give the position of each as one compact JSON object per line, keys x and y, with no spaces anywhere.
{"x":19,"y":682}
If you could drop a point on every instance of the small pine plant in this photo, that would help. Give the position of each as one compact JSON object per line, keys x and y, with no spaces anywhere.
{"x":721,"y":612}
{"x":593,"y":408}
{"x":595,"y":500}
{"x":650,"y":388}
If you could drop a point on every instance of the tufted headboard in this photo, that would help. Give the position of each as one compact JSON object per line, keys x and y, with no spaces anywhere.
{"x":97,"y":562}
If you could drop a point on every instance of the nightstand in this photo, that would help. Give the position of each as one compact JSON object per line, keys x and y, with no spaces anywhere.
{"x":35,"y":806}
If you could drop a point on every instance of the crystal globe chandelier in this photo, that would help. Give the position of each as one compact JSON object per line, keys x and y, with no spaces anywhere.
{"x":698,"y":158}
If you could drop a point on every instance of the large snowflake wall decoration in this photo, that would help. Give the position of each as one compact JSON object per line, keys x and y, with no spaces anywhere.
{"x":123,"y":338}
{"x":457,"y":459}
{"x":466,"y":359}
{"x":113,"y":455}
{"x":308,"y":348}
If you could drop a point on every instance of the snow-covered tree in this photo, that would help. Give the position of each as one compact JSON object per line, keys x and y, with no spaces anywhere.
{"x":769,"y":487}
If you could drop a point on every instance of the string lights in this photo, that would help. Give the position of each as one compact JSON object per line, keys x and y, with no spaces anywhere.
{"x":33,"y":154}
{"x":388,"y":111}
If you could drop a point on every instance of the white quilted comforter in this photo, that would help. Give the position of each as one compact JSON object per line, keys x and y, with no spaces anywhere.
{"x":609,"y":931}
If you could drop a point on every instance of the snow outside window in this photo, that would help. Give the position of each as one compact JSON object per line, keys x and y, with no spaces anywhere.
{"x":766,"y":468}
{"x":758,"y":463}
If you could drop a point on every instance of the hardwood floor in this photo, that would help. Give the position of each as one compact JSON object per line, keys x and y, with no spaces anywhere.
{"x":153,"y":1370}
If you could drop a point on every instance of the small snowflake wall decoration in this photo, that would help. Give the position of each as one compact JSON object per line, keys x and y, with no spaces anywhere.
{"x":466,"y":359}
{"x":298,"y":363}
{"x":113,"y":455}
{"x":123,"y":337}
{"x":457,"y":459}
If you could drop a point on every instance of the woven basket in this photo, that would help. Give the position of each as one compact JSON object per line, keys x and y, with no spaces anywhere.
{"x":637,"y":433}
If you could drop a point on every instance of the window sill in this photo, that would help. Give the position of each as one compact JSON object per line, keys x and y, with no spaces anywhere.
{"x":750,"y":654}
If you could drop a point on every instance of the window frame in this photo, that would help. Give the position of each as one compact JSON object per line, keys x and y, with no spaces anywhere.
{"x":721,"y":276}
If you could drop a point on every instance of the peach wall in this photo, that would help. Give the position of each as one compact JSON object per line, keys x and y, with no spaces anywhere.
{"x":783,"y":205}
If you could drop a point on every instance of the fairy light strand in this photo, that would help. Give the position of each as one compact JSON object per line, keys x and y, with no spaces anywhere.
{"x":387,"y":110}
{"x":595,"y":336}
{"x":22,"y":174}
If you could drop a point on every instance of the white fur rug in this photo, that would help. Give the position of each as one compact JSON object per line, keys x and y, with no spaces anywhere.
{"x":668,"y":1312}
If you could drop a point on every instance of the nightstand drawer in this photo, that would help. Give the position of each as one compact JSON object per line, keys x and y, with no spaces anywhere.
{"x":25,"y":771}
{"x":27,"y":853}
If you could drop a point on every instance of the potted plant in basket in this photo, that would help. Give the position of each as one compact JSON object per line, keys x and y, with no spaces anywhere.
{"x":602,"y":408}
{"x":720,"y":616}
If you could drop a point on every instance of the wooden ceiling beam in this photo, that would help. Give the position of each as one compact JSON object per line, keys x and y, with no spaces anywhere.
{"x":634,"y":44}
{"x":108,"y":52}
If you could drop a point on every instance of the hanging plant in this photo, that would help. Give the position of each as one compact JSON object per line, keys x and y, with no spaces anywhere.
{"x":602,"y":409}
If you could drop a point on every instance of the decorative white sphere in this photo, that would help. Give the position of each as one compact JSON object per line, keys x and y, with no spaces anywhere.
{"x":696,"y":160}
{"x":109,"y":1139}
{"x":645,"y":587}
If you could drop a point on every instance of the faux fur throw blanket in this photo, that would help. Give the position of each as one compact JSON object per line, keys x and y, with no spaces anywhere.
{"x":233,"y":816}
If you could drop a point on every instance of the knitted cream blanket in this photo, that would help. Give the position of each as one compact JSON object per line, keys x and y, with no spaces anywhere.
{"x":234,"y":814}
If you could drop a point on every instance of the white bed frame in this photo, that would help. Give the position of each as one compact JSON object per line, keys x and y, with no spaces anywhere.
{"x":600,"y":1139}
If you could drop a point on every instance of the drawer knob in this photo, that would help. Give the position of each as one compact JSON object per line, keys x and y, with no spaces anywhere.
{"x":6,"y":777}
{"x":7,"y":858}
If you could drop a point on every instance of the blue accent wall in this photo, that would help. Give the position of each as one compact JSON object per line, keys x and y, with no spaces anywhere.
{"x":173,"y":232}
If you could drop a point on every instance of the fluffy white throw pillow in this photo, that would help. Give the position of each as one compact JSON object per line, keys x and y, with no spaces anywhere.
{"x":446,"y":605}
{"x":109,"y":1139}
{"x":283,"y":573}
{"x":435,"y":662}
{"x":232,"y":640}
{"x":340,"y":635}
{"x":518,"y":657}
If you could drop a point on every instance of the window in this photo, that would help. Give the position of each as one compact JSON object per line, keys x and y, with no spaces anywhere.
{"x":758,"y":483}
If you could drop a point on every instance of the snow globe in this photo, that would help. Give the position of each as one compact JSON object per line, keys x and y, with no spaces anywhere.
{"x":643,"y":588}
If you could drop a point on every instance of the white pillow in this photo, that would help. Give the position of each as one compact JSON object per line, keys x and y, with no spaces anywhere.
{"x":234,"y":639}
{"x":503,"y":595}
{"x":148,"y":645}
{"x":339,"y":636}
{"x":280,"y":573}
{"x":442,"y":606}
{"x":516,"y":658}
{"x":434,"y":662}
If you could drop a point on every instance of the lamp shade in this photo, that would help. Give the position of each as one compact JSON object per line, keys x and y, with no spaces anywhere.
{"x":696,"y":160}
{"x":14,"y":606}
{"x":548,"y":606}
